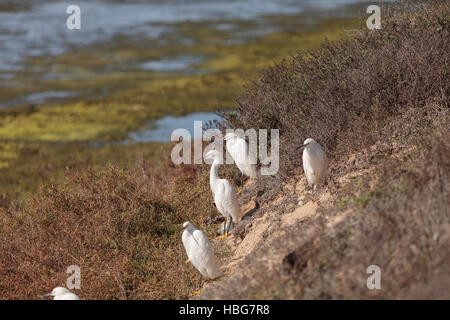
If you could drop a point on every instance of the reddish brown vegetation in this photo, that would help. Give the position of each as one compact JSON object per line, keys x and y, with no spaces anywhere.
{"x":343,"y":93}
{"x":381,"y":97}
{"x":379,"y":105}
{"x":119,"y":226}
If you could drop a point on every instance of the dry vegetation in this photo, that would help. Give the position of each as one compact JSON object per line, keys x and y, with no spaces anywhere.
{"x":119,"y":226}
{"x":378,"y":103}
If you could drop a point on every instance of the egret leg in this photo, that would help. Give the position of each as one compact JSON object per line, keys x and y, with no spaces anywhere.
{"x":196,"y":293}
{"x":229,"y":226}
{"x":319,"y":177}
{"x":223,"y":231}
{"x":199,"y":284}
{"x":239,"y":188}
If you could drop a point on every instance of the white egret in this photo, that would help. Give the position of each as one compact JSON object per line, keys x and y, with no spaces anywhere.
{"x":200,"y":252}
{"x":315,"y":162}
{"x":224,"y":194}
{"x":239,"y":151}
{"x":60,"y":293}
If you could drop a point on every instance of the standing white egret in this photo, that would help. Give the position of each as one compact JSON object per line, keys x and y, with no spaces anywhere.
{"x":224,"y":194}
{"x":239,"y":151}
{"x":200,"y":252}
{"x":315,"y":162}
{"x":60,"y":293}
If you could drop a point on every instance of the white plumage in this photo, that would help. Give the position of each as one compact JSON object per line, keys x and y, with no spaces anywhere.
{"x":315,"y":162}
{"x":239,"y":151}
{"x":200,"y":252}
{"x":60,"y":293}
{"x":223,"y":192}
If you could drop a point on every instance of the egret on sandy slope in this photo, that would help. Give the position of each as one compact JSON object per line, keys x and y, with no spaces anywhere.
{"x":224,"y":194}
{"x":239,"y":151}
{"x":60,"y":293}
{"x":200,"y":252}
{"x":315,"y":162}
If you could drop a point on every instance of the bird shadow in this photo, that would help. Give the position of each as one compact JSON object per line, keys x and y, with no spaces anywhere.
{"x":247,"y":215}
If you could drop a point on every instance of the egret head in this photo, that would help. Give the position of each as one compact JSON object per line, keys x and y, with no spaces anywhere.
{"x":56,"y":292}
{"x":213,"y":155}
{"x":307,"y":142}
{"x":230,"y":136}
{"x":185,"y":225}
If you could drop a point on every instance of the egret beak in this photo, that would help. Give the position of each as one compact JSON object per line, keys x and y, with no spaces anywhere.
{"x":301,"y":146}
{"x":47,"y":295}
{"x":181,"y":229}
{"x":208,"y":156}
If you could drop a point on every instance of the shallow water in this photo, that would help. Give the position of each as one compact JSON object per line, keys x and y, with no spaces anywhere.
{"x":38,"y":28}
{"x":38,"y":97}
{"x":180,"y":63}
{"x":161,"y":130}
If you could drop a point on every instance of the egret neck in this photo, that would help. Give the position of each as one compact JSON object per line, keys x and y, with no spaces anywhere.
{"x":214,"y":174}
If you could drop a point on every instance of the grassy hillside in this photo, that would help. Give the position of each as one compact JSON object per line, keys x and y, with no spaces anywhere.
{"x":377,"y":103}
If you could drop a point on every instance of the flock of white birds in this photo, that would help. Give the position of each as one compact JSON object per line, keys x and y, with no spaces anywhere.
{"x":196,"y":243}
{"x":198,"y":248}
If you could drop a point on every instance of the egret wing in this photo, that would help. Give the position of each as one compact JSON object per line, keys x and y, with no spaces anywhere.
{"x":230,"y":201}
{"x":204,"y":252}
{"x":241,"y":150}
{"x":202,"y":240}
{"x":207,"y":264}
